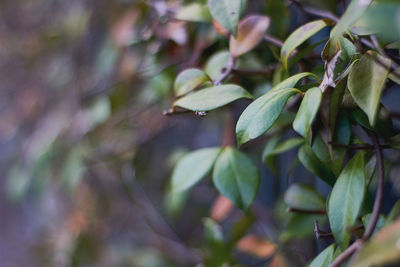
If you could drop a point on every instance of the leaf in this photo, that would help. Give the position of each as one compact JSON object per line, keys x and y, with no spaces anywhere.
{"x":236,"y":177}
{"x":300,"y":225}
{"x":259,"y":116}
{"x":394,"y":213}
{"x":216,"y":64}
{"x":353,"y":12}
{"x":293,"y":80}
{"x":221,"y":208}
{"x":366,"y":219}
{"x":212,"y":97}
{"x":366,"y":80}
{"x":346,"y":199}
{"x":311,"y":162}
{"x":273,"y":148}
{"x":298,"y":37}
{"x":382,"y":249}
{"x":193,"y":12}
{"x":304,"y":197}
{"x":226,"y":13}
{"x":256,"y":245}
{"x":250,"y":33}
{"x":307,"y":111}
{"x":192,"y":168}
{"x":395,"y":76}
{"x":325,"y":258}
{"x":189,"y":80}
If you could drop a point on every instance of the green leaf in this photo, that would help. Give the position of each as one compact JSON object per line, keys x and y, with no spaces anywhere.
{"x":307,"y":111}
{"x":325,"y":258}
{"x":298,"y":37}
{"x":300,"y":226}
{"x":192,"y":168}
{"x":394,"y":213}
{"x":346,"y":199}
{"x":212,"y":97}
{"x":226,"y":13}
{"x":215,"y":65}
{"x":353,"y":12}
{"x":194,"y":12}
{"x":188,"y":80}
{"x":382,"y":249}
{"x":260,"y":115}
{"x":379,"y":225}
{"x":236,"y":177}
{"x":304,"y":197}
{"x":311,"y":162}
{"x":366,"y":80}
{"x":273,"y":148}
{"x":250,"y":33}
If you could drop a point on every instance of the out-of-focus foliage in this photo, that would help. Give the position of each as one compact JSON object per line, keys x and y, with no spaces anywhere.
{"x":86,"y":151}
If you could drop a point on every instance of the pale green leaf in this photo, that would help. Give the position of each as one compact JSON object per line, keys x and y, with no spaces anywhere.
{"x":346,"y":199}
{"x":212,"y":97}
{"x":366,"y":80}
{"x":298,"y":37}
{"x":304,"y":197}
{"x":324,"y":259}
{"x":215,"y":65}
{"x":308,"y":110}
{"x":353,"y":12}
{"x":226,"y":13}
{"x":236,"y":177}
{"x":366,"y":219}
{"x":194,"y":12}
{"x":189,"y":80}
{"x":192,"y":168}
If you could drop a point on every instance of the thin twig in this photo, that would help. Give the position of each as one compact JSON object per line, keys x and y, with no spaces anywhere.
{"x":319,"y":233}
{"x":272,"y":40}
{"x":268,"y":70}
{"x":366,"y":146}
{"x":316,"y":12}
{"x":347,"y":253}
{"x":290,"y":209}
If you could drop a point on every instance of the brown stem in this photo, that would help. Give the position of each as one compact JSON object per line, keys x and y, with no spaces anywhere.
{"x":290,"y":209}
{"x":268,"y":70}
{"x":347,"y":253}
{"x":366,"y":146}
{"x":319,"y":233}
{"x":272,"y":40}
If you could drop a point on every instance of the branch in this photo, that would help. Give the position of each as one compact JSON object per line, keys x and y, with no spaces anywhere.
{"x":272,"y":40}
{"x":319,"y":233}
{"x":347,"y":253}
{"x":290,"y":209}
{"x":366,"y":146}
{"x":316,"y":12}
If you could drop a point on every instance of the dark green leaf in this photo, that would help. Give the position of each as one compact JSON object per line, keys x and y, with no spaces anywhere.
{"x":236,"y":177}
{"x":366,"y":219}
{"x":260,"y":115}
{"x":366,"y":80}
{"x":311,"y":162}
{"x":274,"y":148}
{"x":304,"y":197}
{"x":212,"y":97}
{"x":346,"y":199}
{"x":192,"y":168}
{"x":189,"y":80}
{"x":307,"y":111}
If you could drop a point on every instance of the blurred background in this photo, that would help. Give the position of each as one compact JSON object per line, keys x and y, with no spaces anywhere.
{"x":86,"y":152}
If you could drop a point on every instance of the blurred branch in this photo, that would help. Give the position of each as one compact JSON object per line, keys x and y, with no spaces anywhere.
{"x":316,"y":12}
{"x":290,"y":209}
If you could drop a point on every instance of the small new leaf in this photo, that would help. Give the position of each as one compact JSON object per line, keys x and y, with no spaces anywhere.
{"x":189,"y":80}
